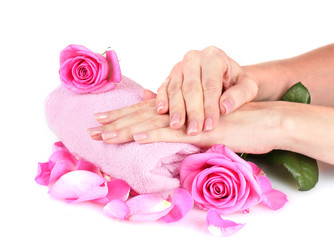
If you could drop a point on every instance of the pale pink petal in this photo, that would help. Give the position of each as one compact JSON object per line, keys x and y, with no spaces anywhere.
{"x":64,"y":162}
{"x":182,"y":202}
{"x":78,"y":186}
{"x":112,"y":59}
{"x":85,"y":165}
{"x":117,"y":189}
{"x":271,"y":198}
{"x":221,"y":227}
{"x":148,"y":208}
{"x":44,"y":172}
{"x":116,"y":209}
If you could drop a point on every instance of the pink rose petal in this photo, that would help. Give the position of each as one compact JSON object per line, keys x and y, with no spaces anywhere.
{"x":148,"y":208}
{"x":44,"y":172}
{"x":59,"y":146}
{"x":182,"y":202}
{"x":84,"y":165}
{"x":271,"y":198}
{"x":64,"y":163}
{"x":112,"y":59}
{"x":219,"y":226}
{"x":117,"y":209}
{"x":78,"y":186}
{"x":117,"y":190}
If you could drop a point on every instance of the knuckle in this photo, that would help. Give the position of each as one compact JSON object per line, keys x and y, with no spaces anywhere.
{"x":191,"y":88}
{"x":174,"y":86}
{"x":211,"y":84}
{"x":192,"y":54}
{"x":158,"y":121}
{"x":213,"y":50}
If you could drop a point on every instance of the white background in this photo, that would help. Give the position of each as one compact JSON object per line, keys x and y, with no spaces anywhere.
{"x":149,"y":38}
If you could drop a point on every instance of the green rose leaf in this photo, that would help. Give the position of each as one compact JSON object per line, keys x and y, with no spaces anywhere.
{"x":297,"y":93}
{"x":302,"y":168}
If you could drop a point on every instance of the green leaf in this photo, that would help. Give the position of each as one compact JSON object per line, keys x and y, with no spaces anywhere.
{"x":297,"y":93}
{"x":303,"y":169}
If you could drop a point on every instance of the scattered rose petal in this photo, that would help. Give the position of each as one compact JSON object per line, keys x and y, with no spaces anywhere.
{"x":271,"y":198}
{"x":84,"y":165}
{"x":78,"y":186}
{"x":117,"y":209}
{"x":59,"y":146}
{"x":182,"y":202}
{"x":219,"y":226}
{"x":148,"y":208}
{"x":117,"y":189}
{"x":44,"y":172}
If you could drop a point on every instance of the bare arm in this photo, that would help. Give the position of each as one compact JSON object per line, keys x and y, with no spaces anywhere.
{"x":307,"y":129}
{"x":315,"y":69}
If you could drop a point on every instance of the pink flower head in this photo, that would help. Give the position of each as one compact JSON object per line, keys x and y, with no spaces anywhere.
{"x":219,"y":179}
{"x":83,"y":71}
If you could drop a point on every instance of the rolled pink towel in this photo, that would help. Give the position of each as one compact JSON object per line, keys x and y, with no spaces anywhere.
{"x":147,"y":168}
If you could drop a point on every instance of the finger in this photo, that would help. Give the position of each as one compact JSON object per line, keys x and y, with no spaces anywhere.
{"x":212,"y":82}
{"x":162,"y":98}
{"x":177,"y":110}
{"x":148,"y":94}
{"x":166,"y":134}
{"x":126,"y":134}
{"x":234,"y":97}
{"x":193,"y":94}
{"x":108,"y":117}
{"x":129,"y":120}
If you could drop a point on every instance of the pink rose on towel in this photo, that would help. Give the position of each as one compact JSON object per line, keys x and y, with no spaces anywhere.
{"x":83,"y":71}
{"x":219,"y":179}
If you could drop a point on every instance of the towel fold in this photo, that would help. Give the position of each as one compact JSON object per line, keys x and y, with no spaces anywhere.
{"x":147,"y":168}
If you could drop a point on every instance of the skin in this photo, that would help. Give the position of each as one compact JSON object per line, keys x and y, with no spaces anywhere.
{"x":255,"y":127}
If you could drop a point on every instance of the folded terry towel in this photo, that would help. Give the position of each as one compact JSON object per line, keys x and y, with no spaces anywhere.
{"x":147,"y":168}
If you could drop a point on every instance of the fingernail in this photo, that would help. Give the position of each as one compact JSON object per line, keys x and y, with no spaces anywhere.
{"x":192,"y":128}
{"x":208,"y":124}
{"x":94,"y":131}
{"x":109,"y":135}
{"x":101,"y":116}
{"x":139,"y":136}
{"x":160,"y":106}
{"x":175,"y":120}
{"x":227,"y":103}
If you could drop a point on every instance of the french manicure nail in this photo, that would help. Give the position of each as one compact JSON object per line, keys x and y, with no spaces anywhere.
{"x":227,"y":103}
{"x":160,"y":106}
{"x":109,"y":135}
{"x":94,"y":131}
{"x":192,"y":128}
{"x":101,"y":116}
{"x":176,"y":118}
{"x":208,"y":124}
{"x":139,"y":136}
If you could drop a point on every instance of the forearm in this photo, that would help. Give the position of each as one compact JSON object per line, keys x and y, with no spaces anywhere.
{"x":314,"y":69}
{"x":308,"y":130}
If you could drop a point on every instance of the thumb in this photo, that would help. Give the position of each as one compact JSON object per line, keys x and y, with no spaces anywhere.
{"x":148,"y":94}
{"x":234,"y":97}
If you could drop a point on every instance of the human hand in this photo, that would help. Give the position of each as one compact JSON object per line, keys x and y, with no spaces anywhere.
{"x":253,"y":128}
{"x":201,"y":86}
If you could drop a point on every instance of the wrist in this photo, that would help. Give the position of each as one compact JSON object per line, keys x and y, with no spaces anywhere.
{"x":272,"y":79}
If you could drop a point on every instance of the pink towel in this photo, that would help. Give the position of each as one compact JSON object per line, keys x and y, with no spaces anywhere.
{"x":147,"y":168}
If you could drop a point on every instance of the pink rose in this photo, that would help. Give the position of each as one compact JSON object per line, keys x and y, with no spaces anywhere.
{"x":219,"y":179}
{"x":83,"y":71}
